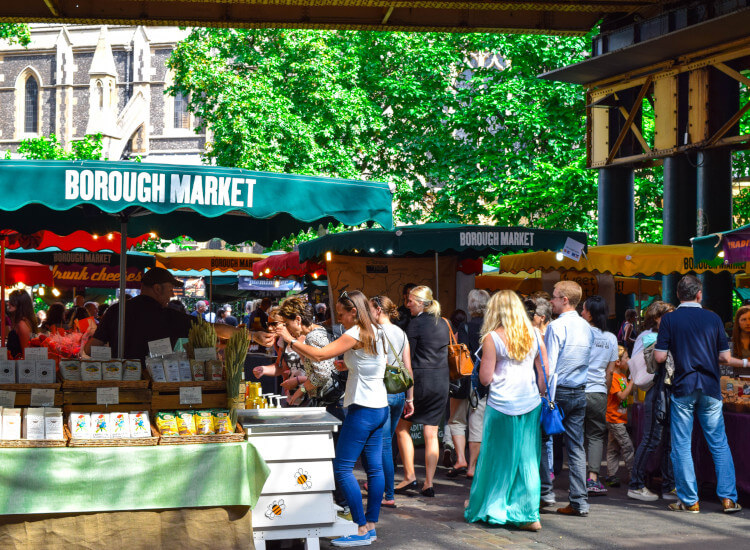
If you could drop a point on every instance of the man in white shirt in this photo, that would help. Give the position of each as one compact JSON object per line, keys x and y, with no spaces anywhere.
{"x":569,"y":340}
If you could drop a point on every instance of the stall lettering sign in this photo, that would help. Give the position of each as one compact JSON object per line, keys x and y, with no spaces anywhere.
{"x":496,"y":238}
{"x":144,"y":187}
{"x":81,"y":258}
{"x":81,"y":274}
{"x":234,"y":263}
{"x":689,"y":264}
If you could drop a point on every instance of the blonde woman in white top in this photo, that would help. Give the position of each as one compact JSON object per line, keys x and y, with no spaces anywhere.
{"x":366,"y":401}
{"x":506,"y":487}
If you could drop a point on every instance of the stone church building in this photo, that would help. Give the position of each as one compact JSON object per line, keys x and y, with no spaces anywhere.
{"x":75,"y":80}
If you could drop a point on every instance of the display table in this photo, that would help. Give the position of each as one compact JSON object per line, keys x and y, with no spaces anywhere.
{"x":737,"y":427}
{"x":103,"y":479}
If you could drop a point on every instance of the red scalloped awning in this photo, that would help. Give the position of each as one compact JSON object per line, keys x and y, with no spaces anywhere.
{"x":470,"y":266}
{"x":285,"y":265}
{"x":26,"y":272}
{"x":78,"y":239}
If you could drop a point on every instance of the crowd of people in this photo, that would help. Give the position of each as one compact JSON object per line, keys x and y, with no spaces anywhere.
{"x":545,"y":348}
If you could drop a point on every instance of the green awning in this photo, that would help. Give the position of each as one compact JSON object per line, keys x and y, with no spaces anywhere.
{"x":170,"y":200}
{"x":734,"y":243}
{"x":473,"y":241}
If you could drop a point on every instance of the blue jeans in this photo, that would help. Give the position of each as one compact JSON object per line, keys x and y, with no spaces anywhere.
{"x":711,"y":420}
{"x":396,"y":404}
{"x":572,"y":402}
{"x":545,"y":467}
{"x":655,"y":431}
{"x":362,"y":431}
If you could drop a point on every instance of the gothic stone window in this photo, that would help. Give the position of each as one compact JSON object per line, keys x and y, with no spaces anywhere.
{"x":31,"y":106}
{"x":181,"y":115}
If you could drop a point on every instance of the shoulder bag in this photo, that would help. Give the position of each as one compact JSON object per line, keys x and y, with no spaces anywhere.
{"x":397,"y":378}
{"x":459,"y":357}
{"x":551,"y":418}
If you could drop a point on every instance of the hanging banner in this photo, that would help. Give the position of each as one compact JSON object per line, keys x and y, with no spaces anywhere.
{"x":93,"y":276}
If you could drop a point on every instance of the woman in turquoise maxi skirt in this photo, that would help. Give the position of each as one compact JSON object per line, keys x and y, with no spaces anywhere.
{"x":506,"y":487}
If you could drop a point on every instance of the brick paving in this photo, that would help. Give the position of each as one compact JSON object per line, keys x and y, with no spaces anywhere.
{"x":614,"y":522}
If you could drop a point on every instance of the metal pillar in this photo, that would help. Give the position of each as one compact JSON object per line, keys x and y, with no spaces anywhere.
{"x":715,"y":187}
{"x":678,"y":213}
{"x":616,"y":205}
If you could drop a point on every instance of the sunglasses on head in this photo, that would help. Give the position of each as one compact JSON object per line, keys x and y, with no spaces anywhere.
{"x":376,"y":300}
{"x":345,"y":296}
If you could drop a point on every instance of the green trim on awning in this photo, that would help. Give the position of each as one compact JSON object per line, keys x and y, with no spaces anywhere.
{"x":170,"y":200}
{"x":472,"y":241}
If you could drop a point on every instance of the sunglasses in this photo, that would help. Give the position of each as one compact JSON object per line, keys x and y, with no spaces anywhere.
{"x":274,"y":323}
{"x":376,"y":300}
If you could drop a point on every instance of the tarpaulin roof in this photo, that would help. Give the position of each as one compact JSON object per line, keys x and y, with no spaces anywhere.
{"x":472,"y":241}
{"x":170,"y":200}
{"x":618,"y":259}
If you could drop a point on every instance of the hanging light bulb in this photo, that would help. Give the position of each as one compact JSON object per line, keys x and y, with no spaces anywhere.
{"x":41,"y":291}
{"x":315,"y":275}
{"x":109,"y":237}
{"x":559,"y":256}
{"x":152,"y":235}
{"x":721,"y":254}
{"x":276,"y":282}
{"x":95,"y":236}
{"x":328,"y":256}
{"x":55,"y":292}
{"x":21,"y":286}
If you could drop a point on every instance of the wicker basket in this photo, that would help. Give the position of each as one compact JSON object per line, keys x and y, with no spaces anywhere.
{"x":82,"y":385}
{"x":124,"y":442}
{"x":27,"y":443}
{"x":238,"y":435}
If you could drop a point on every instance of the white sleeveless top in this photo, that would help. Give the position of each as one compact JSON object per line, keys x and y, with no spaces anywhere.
{"x":513,"y":390}
{"x":365,"y":386}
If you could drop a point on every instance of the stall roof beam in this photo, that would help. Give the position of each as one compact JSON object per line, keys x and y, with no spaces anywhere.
{"x":661,"y":50}
{"x":564,"y":17}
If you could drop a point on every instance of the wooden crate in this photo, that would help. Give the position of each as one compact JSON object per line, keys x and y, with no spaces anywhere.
{"x":166,"y":395}
{"x":80,"y":396}
{"x":23,"y":392}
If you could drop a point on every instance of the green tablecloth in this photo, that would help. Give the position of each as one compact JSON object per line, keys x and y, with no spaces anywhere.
{"x":105,"y":479}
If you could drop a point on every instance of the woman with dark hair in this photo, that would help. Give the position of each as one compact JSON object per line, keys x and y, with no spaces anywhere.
{"x":298,"y":318}
{"x":656,"y":419}
{"x":601,"y":364}
{"x":55,"y":319}
{"x":384,"y":311}
{"x":23,"y":322}
{"x":741,"y":333}
{"x":367,"y":402}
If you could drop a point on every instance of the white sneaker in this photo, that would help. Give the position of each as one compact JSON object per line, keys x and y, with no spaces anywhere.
{"x":671,"y":495}
{"x":642,"y":494}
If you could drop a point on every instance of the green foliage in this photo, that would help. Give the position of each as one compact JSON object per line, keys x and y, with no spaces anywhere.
{"x":49,"y":148}
{"x":15,"y":33}
{"x":462,"y":140}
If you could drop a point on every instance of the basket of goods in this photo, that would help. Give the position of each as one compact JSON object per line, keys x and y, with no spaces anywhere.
{"x":735,"y":393}
{"x":197,"y":426}
{"x":32,"y":427}
{"x":110,"y":429}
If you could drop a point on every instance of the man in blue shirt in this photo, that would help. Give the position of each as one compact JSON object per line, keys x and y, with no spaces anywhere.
{"x":697,"y":341}
{"x":569,"y":341}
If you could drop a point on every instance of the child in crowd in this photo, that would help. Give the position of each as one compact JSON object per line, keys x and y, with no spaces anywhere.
{"x":619,"y":443}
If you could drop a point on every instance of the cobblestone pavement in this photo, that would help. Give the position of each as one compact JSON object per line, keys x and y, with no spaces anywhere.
{"x":421,"y":523}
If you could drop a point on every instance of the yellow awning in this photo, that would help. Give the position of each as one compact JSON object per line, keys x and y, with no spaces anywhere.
{"x":628,"y":259}
{"x":529,"y":283}
{"x":213,"y":260}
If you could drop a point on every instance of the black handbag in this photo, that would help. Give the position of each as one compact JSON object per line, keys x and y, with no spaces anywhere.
{"x":396,"y":378}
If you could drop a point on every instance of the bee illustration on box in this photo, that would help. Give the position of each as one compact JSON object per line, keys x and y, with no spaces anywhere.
{"x":119,"y":423}
{"x":303,"y":479}
{"x":275,"y":509}
{"x":101,"y":424}
{"x":140,"y":425}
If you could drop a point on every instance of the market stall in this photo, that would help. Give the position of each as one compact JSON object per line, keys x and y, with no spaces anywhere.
{"x":442,"y":256}
{"x":204,"y":202}
{"x":528,"y":283}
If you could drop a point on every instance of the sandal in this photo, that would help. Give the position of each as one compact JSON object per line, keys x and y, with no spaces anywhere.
{"x":388,"y":504}
{"x":455,"y":472}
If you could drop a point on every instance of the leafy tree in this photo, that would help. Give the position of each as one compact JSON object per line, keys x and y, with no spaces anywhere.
{"x":49,"y":148}
{"x":15,"y":33}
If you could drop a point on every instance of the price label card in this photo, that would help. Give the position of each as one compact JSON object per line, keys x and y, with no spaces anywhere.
{"x":42,"y":397}
{"x":36,"y":353}
{"x":107,"y":396}
{"x":3,"y":353}
{"x":101,"y":353}
{"x":205,"y":354}
{"x":191,"y":396}
{"x":161,"y":347}
{"x":7,"y":399}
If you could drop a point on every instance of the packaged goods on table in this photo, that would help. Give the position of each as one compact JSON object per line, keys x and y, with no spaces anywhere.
{"x":31,"y":424}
